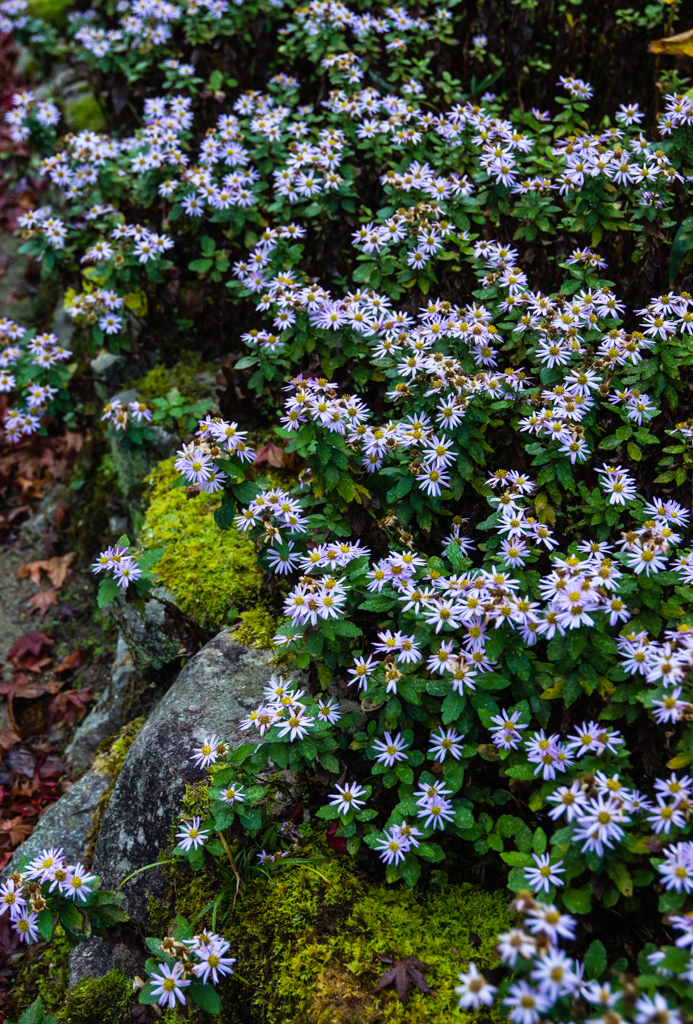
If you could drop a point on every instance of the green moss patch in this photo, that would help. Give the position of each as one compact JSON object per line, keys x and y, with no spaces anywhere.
{"x":159,"y":381}
{"x":208,"y":570}
{"x":84,"y":114}
{"x":43,"y":972}
{"x":98,"y":1000}
{"x":307,"y":938}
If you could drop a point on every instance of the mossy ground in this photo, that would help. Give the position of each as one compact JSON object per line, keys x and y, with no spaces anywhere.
{"x":210,"y":571}
{"x":307,"y":938}
{"x":44,"y":972}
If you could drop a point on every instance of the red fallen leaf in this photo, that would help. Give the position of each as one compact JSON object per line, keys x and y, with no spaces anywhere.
{"x":270,"y":453}
{"x":27,"y":691}
{"x":70,"y":706}
{"x":32,"y":663}
{"x":30,"y":690}
{"x":336,"y":843}
{"x":70,"y":661}
{"x":42,"y":600}
{"x":402,"y":974}
{"x":15,"y":830}
{"x":30,"y":643}
{"x":50,"y":769}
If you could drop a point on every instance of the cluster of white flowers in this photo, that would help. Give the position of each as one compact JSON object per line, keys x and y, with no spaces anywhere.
{"x":211,"y":964}
{"x":25,"y":106}
{"x":21,"y":895}
{"x":551,"y":975}
{"x":33,"y":356}
{"x":290,"y":711}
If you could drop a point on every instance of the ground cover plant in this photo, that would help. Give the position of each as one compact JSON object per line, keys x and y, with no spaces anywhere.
{"x":442,"y":255}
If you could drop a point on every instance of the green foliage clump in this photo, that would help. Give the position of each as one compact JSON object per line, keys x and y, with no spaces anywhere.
{"x":98,"y":1000}
{"x":206,"y":569}
{"x":306,"y":940}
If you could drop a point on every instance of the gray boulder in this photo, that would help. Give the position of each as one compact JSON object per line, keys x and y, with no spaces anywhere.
{"x":150,"y":644}
{"x":218,"y":687}
{"x":108,"y":714}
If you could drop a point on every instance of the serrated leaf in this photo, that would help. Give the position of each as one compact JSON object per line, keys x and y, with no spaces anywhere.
{"x":107,"y":592}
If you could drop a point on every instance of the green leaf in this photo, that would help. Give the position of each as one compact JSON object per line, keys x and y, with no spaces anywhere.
{"x":224,"y":515}
{"x":308,"y":749}
{"x":205,"y":996}
{"x":200,"y":266}
{"x":70,"y":917}
{"x":539,"y":841}
{"x":342,"y":628}
{"x":463,"y":817}
{"x":279,"y":755}
{"x":430,"y":852}
{"x":35,"y":1014}
{"x":680,"y":247}
{"x":327,"y":813}
{"x":182,"y":930}
{"x":517,"y":880}
{"x":107,"y":593}
{"x":610,"y":442}
{"x":621,"y":876}
{"x":410,"y":870}
{"x":454,"y":554}
{"x":521,"y":771}
{"x":250,"y":818}
{"x":669,"y":901}
{"x":45,"y":924}
{"x":245,"y":491}
{"x":595,"y":960}
{"x":577,"y":901}
{"x":517,"y":860}
{"x":148,"y":559}
{"x":330,"y":763}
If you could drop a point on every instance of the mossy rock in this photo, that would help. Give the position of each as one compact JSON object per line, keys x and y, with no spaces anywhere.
{"x":84,"y":114}
{"x":208,"y":570}
{"x":185,"y":376}
{"x":98,"y":1000}
{"x":307,"y":941}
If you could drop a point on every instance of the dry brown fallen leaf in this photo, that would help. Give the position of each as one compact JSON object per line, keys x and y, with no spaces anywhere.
{"x":57,"y":569}
{"x":42,"y":600}
{"x":678,"y":46}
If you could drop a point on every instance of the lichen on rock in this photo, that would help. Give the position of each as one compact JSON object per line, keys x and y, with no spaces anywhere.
{"x":208,"y":570}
